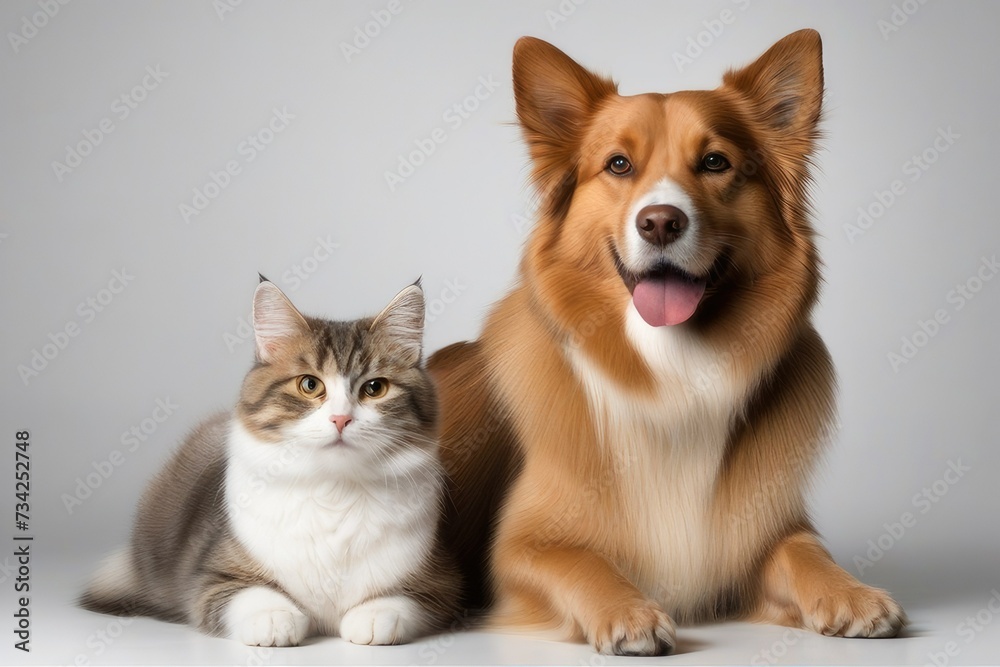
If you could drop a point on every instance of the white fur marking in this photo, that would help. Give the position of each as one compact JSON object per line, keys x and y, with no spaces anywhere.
{"x":261,"y":616}
{"x":115,"y":577}
{"x":331,"y":526}
{"x":685,"y":252}
{"x":390,"y":620}
{"x":667,"y":449}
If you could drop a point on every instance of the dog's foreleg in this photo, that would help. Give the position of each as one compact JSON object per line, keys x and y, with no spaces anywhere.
{"x":802,"y":586}
{"x":547,"y":585}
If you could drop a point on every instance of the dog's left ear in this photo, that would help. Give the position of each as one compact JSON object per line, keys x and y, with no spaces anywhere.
{"x":785,"y":85}
{"x":555,"y":98}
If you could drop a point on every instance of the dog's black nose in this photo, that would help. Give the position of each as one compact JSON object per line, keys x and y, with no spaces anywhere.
{"x":661,"y":224}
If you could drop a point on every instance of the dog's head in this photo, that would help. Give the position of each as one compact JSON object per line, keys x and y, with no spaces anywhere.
{"x":674,"y":202}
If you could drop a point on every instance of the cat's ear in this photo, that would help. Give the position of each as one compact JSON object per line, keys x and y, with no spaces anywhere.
{"x":276,"y":322}
{"x":401,"y":323}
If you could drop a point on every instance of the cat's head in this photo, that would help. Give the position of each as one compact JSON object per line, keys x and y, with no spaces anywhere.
{"x":345,"y":393}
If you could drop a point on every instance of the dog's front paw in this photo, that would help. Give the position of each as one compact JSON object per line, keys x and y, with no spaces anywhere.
{"x":639,"y":629}
{"x":858,"y":611}
{"x":391,"y":620}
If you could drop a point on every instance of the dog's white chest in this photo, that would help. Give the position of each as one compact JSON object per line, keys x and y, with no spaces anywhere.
{"x":667,"y":449}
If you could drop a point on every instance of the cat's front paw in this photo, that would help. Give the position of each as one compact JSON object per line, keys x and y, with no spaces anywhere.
{"x":278,"y":627}
{"x":263,"y":617}
{"x":392,"y":620}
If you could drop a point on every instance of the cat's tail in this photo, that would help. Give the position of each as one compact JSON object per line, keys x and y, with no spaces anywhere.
{"x":115,"y":588}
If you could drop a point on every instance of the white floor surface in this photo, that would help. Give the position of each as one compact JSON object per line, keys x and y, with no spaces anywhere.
{"x":954,"y":620}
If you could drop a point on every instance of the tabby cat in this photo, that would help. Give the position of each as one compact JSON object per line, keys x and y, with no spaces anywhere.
{"x":313,"y":507}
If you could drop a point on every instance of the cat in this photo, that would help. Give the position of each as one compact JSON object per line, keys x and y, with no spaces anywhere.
{"x":313,"y":507}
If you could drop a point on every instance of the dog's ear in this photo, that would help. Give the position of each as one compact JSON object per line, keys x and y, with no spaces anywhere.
{"x":783,"y":92}
{"x":554,"y":97}
{"x":785,"y":85}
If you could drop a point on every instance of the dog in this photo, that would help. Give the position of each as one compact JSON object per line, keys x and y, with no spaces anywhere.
{"x":630,"y":439}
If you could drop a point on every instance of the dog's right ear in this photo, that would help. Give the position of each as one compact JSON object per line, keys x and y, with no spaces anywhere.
{"x":554,"y":97}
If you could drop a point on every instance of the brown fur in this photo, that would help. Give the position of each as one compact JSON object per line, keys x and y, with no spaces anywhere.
{"x":554,"y":522}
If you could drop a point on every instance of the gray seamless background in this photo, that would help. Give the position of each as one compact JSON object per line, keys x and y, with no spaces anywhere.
{"x":174,"y":333}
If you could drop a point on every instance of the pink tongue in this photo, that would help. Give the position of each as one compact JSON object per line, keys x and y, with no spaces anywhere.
{"x":667,"y":300}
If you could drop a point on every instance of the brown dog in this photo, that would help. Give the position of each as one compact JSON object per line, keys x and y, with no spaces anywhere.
{"x":630,"y":439}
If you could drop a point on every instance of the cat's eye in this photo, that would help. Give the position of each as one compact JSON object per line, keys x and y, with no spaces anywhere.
{"x":714,"y":162}
{"x":376,"y":388}
{"x":619,"y":165}
{"x":311,"y":386}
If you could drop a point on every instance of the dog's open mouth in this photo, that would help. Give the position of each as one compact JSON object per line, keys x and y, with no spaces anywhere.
{"x":665,"y":295}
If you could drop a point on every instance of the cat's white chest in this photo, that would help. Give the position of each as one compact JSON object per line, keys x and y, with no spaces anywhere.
{"x":330,"y":544}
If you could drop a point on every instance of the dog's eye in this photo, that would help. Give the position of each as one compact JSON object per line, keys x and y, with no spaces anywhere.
{"x":714,"y":162}
{"x":619,"y":165}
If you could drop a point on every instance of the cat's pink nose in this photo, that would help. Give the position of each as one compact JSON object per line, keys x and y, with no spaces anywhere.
{"x":341,"y":421}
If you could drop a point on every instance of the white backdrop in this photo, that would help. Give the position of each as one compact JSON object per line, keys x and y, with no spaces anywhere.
{"x":157,"y":155}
